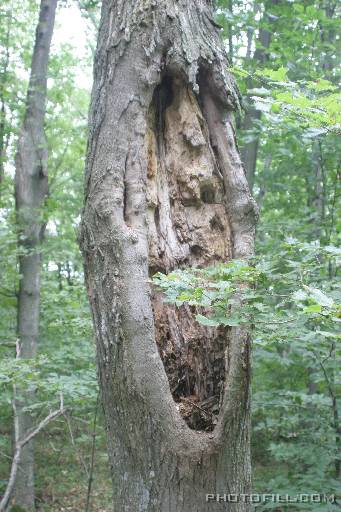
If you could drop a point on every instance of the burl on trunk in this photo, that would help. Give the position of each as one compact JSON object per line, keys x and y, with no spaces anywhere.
{"x":165,"y":188}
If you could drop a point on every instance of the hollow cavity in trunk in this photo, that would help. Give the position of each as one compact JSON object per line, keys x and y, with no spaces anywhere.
{"x":188,"y":226}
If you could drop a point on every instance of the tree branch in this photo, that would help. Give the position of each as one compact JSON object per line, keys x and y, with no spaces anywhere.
{"x":19,"y":444}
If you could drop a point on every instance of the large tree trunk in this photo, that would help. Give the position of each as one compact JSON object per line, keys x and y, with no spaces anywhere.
{"x":165,"y":188}
{"x":31,"y":190}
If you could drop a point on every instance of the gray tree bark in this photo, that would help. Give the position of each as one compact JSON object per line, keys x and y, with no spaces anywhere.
{"x":249,"y":151}
{"x":31,"y":188}
{"x":165,"y":188}
{"x":4,"y":138}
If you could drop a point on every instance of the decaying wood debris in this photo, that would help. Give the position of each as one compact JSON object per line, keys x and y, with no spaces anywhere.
{"x":188,"y":225}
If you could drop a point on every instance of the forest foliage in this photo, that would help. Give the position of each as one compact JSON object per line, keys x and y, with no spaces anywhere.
{"x":285,"y":56}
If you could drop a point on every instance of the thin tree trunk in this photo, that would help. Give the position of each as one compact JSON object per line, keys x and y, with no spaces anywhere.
{"x":318,"y":201}
{"x":230,"y":33}
{"x":249,"y":151}
{"x":165,"y":188}
{"x":31,"y":190}
{"x":3,"y":83}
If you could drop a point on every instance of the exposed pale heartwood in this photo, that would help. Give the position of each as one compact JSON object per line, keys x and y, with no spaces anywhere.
{"x":165,"y":188}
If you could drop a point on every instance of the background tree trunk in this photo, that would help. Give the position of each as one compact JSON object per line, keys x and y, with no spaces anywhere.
{"x":249,"y":151}
{"x":3,"y":83}
{"x":165,"y":188}
{"x":31,"y":189}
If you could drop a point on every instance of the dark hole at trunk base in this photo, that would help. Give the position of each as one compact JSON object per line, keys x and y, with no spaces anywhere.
{"x":188,"y":226}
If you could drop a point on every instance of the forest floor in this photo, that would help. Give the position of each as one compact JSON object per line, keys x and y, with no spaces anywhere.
{"x":62,"y":466}
{"x":62,"y":481}
{"x":61,"y":478}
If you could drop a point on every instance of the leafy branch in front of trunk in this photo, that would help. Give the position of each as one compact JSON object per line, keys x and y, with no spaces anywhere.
{"x":278,"y":296}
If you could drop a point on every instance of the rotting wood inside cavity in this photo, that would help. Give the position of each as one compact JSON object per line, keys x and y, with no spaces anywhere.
{"x":187,"y":226}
